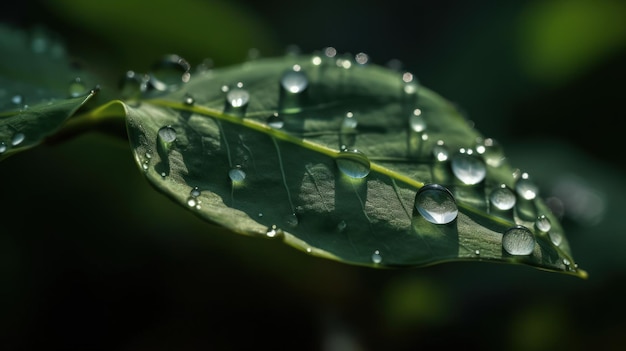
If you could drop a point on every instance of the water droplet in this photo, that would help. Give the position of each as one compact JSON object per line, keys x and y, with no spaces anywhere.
{"x":17,"y":99}
{"x":436,"y":204}
{"x":555,"y":237}
{"x":294,"y":80}
{"x":440,"y":151}
{"x":347,"y":136}
{"x":192,"y":201}
{"x":3,"y":147}
{"x":195,"y":192}
{"x":274,"y":232}
{"x":518,"y":240}
{"x":237,"y":174}
{"x":526,"y":188}
{"x":416,"y":121}
{"x":77,"y":87}
{"x":468,"y":168}
{"x":361,"y":58}
{"x":477,"y":252}
{"x":131,"y":85}
{"x":342,"y":225}
{"x":188,"y":99}
{"x":169,"y":72}
{"x":491,"y":152}
{"x":377,"y":257}
{"x":330,"y":51}
{"x":167,"y":134}
{"x":353,"y":163}
{"x":275,"y":121}
{"x":410,"y":83}
{"x":17,"y":139}
{"x":543,"y":223}
{"x":237,"y":100}
{"x":502,"y":198}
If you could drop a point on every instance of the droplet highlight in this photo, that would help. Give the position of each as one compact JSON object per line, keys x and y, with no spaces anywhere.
{"x":436,"y":204}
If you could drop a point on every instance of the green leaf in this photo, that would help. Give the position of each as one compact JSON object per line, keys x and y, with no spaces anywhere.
{"x":333,"y":157}
{"x":41,"y":88}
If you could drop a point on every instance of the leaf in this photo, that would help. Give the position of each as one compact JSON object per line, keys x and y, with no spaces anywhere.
{"x":349,"y":161}
{"x":41,"y":89}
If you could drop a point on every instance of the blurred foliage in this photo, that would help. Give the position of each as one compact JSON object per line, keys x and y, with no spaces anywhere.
{"x":92,"y":258}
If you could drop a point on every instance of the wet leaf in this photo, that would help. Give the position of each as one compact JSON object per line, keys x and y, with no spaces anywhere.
{"x":342,"y":159}
{"x":41,"y":88}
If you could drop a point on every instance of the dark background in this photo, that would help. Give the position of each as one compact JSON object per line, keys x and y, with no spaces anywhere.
{"x":92,"y":258}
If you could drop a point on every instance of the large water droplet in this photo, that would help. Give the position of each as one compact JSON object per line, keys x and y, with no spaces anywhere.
{"x":468,"y":168}
{"x":353,"y":163}
{"x":518,"y":240}
{"x":502,"y":198}
{"x":436,"y":204}
{"x":526,"y":188}
{"x":170,"y":72}
{"x":294,"y":80}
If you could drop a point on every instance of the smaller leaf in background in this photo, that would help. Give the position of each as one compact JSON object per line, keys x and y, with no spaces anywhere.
{"x":41,"y":88}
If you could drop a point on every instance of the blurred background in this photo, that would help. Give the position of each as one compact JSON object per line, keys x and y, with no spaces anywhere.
{"x":92,"y":258}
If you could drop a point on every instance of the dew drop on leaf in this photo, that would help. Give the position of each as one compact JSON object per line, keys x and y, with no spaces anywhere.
{"x":440,"y":151}
{"x":3,"y":147}
{"x":169,"y":72}
{"x":17,"y":139}
{"x":502,"y":198}
{"x":416,"y":121}
{"x":555,"y":237}
{"x":167,"y":134}
{"x":526,"y":188}
{"x":353,"y":163}
{"x":237,"y":174}
{"x":518,"y":240}
{"x":543,"y":223}
{"x":77,"y":87}
{"x":468,"y":168}
{"x":377,"y":257}
{"x":275,"y":121}
{"x":236,"y":101}
{"x":294,"y":80}
{"x":436,"y":204}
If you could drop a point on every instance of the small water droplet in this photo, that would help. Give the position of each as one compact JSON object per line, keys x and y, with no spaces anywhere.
{"x":477,"y":252}
{"x":195,"y":192}
{"x":330,"y":51}
{"x":17,"y":139}
{"x":502,"y":198}
{"x":361,"y":58}
{"x":436,"y":204}
{"x":342,"y":225}
{"x":410,"y":83}
{"x":526,"y":188}
{"x":416,"y":121}
{"x":17,"y":99}
{"x":555,"y":237}
{"x":440,"y":151}
{"x":192,"y":201}
{"x":491,"y":152}
{"x":77,"y":87}
{"x":169,"y":72}
{"x":518,"y":240}
{"x":237,"y":100}
{"x":292,"y":220}
{"x":294,"y":80}
{"x":468,"y":168}
{"x":275,"y":121}
{"x":353,"y":163}
{"x":237,"y":174}
{"x":274,"y":232}
{"x":188,"y":99}
{"x":377,"y":257}
{"x":167,"y":134}
{"x":348,"y":133}
{"x":3,"y":147}
{"x":543,"y":223}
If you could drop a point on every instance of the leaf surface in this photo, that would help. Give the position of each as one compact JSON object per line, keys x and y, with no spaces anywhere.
{"x":334,"y":158}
